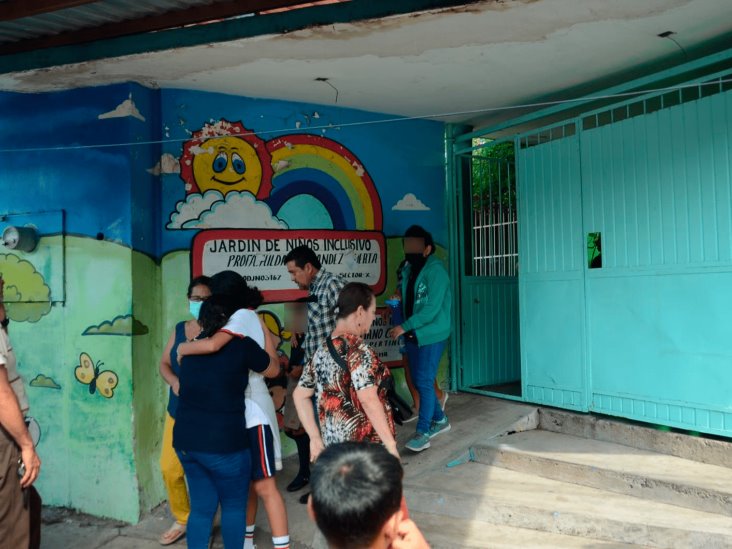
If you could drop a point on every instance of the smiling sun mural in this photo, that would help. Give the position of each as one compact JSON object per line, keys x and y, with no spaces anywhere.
{"x":225,"y":157}
{"x":253,"y":200}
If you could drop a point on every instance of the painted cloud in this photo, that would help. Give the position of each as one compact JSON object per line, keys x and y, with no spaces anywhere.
{"x":27,"y":297}
{"x":167,"y":164}
{"x":44,"y":381}
{"x":410,"y":203}
{"x":124,"y":109}
{"x":238,"y":210}
{"x":124,"y":325}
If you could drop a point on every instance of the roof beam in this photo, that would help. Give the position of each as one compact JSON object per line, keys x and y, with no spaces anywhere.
{"x":167,"y":20}
{"x":17,"y":9}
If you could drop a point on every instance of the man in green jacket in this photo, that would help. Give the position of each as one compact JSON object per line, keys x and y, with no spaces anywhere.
{"x":426,"y":303}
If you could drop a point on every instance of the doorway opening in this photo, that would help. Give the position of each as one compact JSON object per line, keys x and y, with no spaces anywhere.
{"x":489,"y":283}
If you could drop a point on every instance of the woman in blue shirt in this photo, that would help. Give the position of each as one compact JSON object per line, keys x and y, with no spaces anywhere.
{"x":199,"y":290}
{"x":210,"y":434}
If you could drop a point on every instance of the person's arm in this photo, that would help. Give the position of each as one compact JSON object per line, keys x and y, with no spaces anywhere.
{"x":11,"y":418}
{"x":303,"y":399}
{"x":205,"y":346}
{"x":275,"y":367}
{"x":374,"y":409}
{"x":438,"y":286}
{"x":166,"y":369}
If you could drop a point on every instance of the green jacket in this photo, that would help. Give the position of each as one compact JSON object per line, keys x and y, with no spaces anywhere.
{"x":432,"y":302}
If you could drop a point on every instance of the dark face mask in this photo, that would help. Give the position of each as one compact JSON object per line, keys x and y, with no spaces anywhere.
{"x":417,"y":261}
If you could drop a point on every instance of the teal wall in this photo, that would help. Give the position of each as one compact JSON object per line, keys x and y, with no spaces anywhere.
{"x":645,"y":336}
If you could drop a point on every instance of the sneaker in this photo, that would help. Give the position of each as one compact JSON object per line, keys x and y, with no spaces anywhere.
{"x":438,"y":427}
{"x":419,"y":442}
{"x":443,"y":402}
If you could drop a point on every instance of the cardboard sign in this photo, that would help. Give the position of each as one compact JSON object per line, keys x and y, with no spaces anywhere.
{"x":385,"y":347}
{"x":357,"y":256}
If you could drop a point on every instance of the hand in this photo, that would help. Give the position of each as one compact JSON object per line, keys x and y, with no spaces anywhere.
{"x":293,"y":341}
{"x":296,"y":372}
{"x":176,"y":387}
{"x":409,"y":537}
{"x":316,"y":448}
{"x":32,"y":466}
{"x":396,"y":332}
{"x":391,"y":447}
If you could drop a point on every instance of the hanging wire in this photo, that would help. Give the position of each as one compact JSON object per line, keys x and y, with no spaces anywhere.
{"x":390,"y":120}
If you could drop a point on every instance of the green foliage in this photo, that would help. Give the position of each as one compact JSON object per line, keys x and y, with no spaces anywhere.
{"x":493,"y":176}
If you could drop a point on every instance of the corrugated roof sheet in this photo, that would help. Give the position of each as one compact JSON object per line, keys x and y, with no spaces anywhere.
{"x":89,"y":15}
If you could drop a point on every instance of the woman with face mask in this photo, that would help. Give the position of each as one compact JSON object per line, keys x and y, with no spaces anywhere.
{"x":198,"y":291}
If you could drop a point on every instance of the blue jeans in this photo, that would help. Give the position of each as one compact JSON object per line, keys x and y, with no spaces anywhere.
{"x":423,"y":364}
{"x":214,"y":479}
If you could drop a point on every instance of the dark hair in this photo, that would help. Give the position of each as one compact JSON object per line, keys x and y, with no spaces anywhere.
{"x":233,"y":285}
{"x":215,"y":313}
{"x":352,"y":296}
{"x":198,"y":281}
{"x":415,"y":231}
{"x":356,"y":487}
{"x":302,"y":255}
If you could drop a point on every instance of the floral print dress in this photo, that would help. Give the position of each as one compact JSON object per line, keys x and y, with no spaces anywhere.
{"x":340,"y":412}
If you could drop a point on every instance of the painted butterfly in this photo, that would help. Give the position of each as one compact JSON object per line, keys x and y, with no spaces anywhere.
{"x":88,"y":373}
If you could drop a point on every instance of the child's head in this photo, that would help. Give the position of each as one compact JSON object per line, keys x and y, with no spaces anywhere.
{"x":296,"y":315}
{"x":215,"y":313}
{"x":356,"y":494}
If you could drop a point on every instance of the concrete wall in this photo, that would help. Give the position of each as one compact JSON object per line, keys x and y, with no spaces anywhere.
{"x":107,"y":282}
{"x":84,"y":261}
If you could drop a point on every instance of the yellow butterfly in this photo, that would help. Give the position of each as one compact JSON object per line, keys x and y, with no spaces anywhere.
{"x":88,"y":374}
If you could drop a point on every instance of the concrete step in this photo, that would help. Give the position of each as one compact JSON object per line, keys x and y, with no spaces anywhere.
{"x":450,"y":532}
{"x":613,"y":467}
{"x":495,"y":495}
{"x":695,"y":448}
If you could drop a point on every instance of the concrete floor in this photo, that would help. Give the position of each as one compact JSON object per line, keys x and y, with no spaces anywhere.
{"x":473,"y":418}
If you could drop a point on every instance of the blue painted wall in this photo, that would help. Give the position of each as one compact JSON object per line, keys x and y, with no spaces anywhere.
{"x":124,"y":273}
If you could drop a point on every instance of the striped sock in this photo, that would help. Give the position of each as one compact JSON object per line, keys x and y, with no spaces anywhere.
{"x":249,"y":539}
{"x":281,"y":542}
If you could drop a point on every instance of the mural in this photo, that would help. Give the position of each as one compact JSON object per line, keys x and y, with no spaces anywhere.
{"x":235,"y":183}
{"x":123,"y":325}
{"x":88,"y":373}
{"x":27,"y":296}
{"x":44,"y":381}
{"x":277,"y":386}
